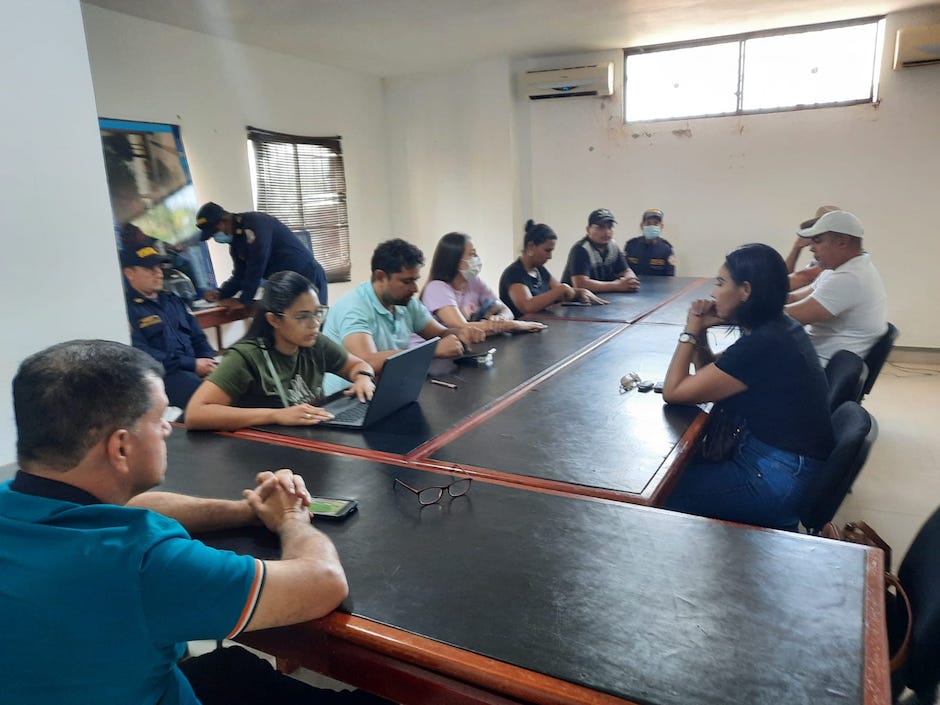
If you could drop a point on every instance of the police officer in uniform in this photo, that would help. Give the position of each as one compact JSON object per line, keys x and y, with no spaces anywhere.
{"x":649,"y":253}
{"x":260,"y":245}
{"x":162,"y":326}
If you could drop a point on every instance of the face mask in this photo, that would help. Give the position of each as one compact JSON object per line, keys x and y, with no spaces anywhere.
{"x":474,"y":267}
{"x":222,"y":238}
{"x":651,"y":232}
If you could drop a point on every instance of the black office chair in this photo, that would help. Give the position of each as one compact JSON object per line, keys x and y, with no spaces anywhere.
{"x":846,"y":373}
{"x":920,"y":575}
{"x":319,"y":280}
{"x":876,"y":357}
{"x":855,"y":431}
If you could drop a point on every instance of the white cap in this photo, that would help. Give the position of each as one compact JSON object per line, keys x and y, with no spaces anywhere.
{"x":835,"y":222}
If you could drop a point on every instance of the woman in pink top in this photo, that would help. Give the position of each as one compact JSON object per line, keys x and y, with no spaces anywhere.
{"x":457,"y":296}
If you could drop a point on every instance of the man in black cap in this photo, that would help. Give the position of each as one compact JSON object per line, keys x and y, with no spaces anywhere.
{"x":260,"y":245}
{"x":162,"y":326}
{"x":650,"y":253}
{"x":595,"y":262}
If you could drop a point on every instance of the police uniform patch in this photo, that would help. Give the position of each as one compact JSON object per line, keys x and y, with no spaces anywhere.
{"x":148,"y":321}
{"x":249,"y":235}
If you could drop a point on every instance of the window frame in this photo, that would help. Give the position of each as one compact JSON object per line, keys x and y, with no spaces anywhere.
{"x":872,"y":99}
{"x":338,"y":265}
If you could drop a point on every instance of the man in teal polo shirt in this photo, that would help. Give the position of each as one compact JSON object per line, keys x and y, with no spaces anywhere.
{"x":101,"y":577}
{"x":378,"y":318}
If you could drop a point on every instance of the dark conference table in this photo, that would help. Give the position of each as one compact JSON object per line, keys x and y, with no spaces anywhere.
{"x":578,"y":431}
{"x":516,"y":595}
{"x":519,"y":359}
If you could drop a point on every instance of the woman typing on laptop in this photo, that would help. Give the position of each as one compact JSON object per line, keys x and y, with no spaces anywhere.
{"x":274,"y":375}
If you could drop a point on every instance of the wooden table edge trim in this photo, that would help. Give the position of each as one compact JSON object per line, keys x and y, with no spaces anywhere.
{"x":665,"y":478}
{"x":510,"y":397}
{"x":467,"y":667}
{"x":876,"y":676}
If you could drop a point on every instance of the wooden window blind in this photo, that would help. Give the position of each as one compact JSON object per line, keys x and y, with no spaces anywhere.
{"x":301,"y":182}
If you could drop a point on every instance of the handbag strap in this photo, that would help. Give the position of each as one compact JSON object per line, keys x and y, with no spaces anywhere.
{"x":900,"y":656}
{"x":860,"y":532}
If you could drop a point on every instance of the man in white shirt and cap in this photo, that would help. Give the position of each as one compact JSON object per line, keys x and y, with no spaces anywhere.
{"x":845,"y":307}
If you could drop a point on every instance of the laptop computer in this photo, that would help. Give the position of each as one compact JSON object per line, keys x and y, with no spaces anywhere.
{"x":399,"y":384}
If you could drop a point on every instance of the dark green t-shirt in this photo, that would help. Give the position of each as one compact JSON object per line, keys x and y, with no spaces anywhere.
{"x":243,"y":373}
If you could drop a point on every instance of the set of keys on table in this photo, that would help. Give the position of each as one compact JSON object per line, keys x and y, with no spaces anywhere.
{"x":632,"y":380}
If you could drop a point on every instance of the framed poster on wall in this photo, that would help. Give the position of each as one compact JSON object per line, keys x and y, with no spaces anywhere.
{"x":153,"y":201}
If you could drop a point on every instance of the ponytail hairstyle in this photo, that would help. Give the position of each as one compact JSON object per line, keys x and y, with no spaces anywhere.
{"x":537,"y":233}
{"x":280,"y":291}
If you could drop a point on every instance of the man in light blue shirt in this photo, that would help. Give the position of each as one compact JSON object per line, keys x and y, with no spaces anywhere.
{"x":378,"y":318}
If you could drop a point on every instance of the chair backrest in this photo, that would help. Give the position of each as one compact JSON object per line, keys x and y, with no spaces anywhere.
{"x":846,"y":373}
{"x":855,"y":431}
{"x":304,"y":237}
{"x":875,"y":359}
{"x":920,"y":575}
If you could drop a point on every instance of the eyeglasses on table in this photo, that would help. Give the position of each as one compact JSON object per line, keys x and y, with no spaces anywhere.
{"x":458,"y":487}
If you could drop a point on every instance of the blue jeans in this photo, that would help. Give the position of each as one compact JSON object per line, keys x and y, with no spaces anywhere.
{"x":759,"y":485}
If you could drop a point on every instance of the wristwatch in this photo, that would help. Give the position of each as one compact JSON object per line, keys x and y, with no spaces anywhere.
{"x":685,"y":337}
{"x":370,"y":375}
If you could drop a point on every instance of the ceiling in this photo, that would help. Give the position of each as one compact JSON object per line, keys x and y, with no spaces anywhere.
{"x":396,"y":37}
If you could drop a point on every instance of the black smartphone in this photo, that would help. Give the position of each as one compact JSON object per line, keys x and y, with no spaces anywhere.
{"x":329,"y":508}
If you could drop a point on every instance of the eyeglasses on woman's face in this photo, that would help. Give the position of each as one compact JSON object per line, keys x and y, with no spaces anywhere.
{"x":308,"y":318}
{"x":458,"y":487}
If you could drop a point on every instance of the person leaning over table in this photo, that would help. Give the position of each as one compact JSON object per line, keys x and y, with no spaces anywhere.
{"x":771,"y":378}
{"x":379,"y":317}
{"x":274,"y":374}
{"x":458,"y":297}
{"x":595,"y":262}
{"x":260,"y":245}
{"x":526,"y":286}
{"x":101,"y":578}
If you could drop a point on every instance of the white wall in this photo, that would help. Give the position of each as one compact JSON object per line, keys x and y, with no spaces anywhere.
{"x":59,"y":275}
{"x":726,"y":181}
{"x":452,"y":160}
{"x":214,"y":88}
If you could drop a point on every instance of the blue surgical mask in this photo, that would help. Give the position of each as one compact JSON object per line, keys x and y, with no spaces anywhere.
{"x":651,"y":232}
{"x":474,"y":267}
{"x":222,"y":238}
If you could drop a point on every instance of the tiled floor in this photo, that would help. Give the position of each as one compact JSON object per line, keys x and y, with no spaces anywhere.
{"x":899,"y":487}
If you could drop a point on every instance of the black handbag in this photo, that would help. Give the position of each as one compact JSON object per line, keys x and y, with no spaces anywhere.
{"x":721,"y":434}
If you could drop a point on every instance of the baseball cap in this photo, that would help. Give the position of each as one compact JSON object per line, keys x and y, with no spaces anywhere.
{"x":207,"y":219}
{"x":834,"y":222}
{"x":142,"y":257}
{"x":601,"y":215}
{"x":652,"y":213}
{"x":822,"y":210}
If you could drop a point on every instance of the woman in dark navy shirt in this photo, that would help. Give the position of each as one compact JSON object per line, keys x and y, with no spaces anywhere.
{"x":770,"y":378}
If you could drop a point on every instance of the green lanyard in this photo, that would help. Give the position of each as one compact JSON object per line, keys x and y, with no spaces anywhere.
{"x":277,"y":380}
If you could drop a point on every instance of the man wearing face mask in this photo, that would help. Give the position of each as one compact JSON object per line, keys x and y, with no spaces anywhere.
{"x":649,"y":253}
{"x":595,"y":262}
{"x":260,"y":245}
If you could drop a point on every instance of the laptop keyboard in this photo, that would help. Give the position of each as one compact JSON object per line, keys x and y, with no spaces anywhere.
{"x":353,"y":414}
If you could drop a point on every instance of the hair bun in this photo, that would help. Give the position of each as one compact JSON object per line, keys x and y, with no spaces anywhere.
{"x":529,"y":225}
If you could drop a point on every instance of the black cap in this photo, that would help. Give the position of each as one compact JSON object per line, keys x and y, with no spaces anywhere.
{"x":601,"y":215}
{"x":142,"y":257}
{"x":207,"y":219}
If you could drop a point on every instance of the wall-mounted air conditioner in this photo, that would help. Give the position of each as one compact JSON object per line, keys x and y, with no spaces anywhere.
{"x":917,"y":46}
{"x":593,"y":80}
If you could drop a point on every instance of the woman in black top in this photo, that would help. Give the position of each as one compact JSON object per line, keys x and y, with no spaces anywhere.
{"x":770,"y":379}
{"x":526,"y":286}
